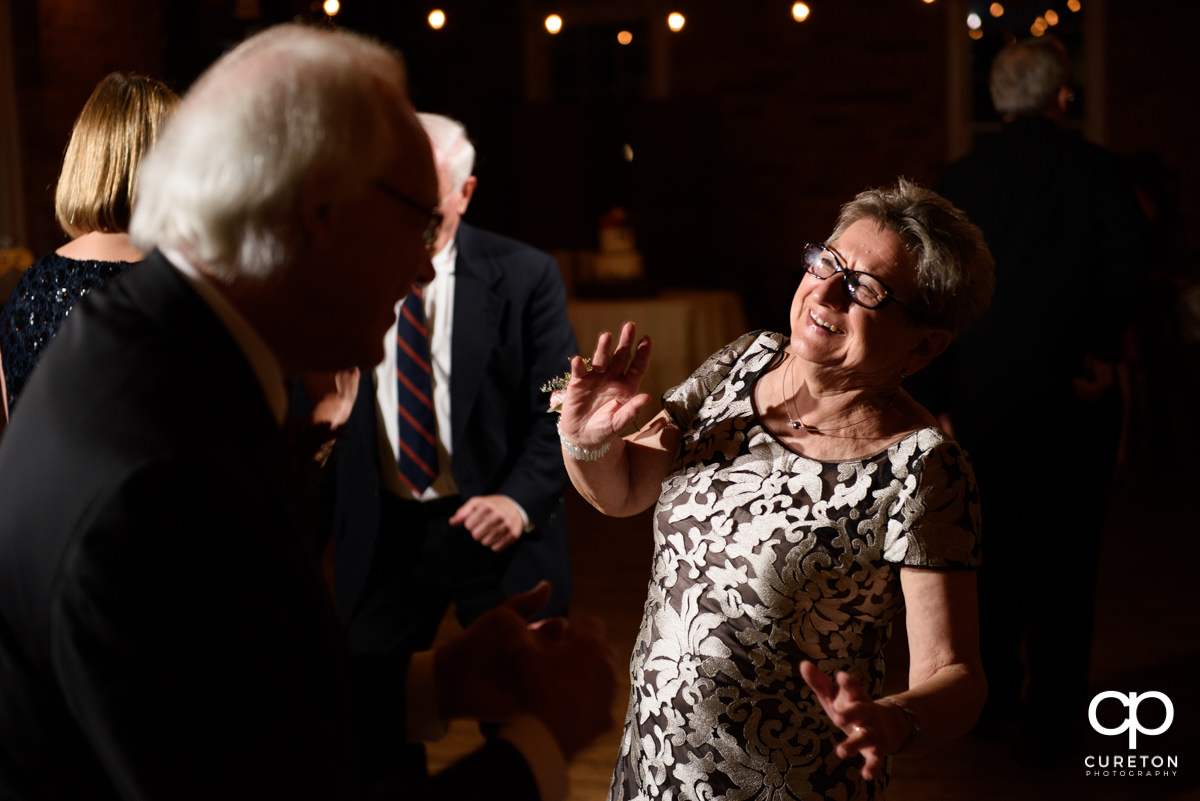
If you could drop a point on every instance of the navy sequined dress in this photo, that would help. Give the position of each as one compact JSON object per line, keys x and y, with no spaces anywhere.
{"x":39,"y":303}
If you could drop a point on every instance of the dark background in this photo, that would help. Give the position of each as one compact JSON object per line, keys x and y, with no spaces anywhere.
{"x":748,"y":129}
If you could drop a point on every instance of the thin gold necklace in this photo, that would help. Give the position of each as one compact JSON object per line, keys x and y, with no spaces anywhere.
{"x":798,"y":423}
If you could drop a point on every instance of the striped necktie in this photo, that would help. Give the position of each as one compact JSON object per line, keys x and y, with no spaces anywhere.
{"x":418,"y":444}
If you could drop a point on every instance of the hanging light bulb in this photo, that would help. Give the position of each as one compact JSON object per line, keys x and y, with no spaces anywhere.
{"x":332,"y":7}
{"x":554,"y":23}
{"x":675,"y":21}
{"x":437,"y":18}
{"x":800,"y":12}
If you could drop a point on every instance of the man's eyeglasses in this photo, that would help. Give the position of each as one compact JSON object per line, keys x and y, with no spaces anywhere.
{"x":432,"y":228}
{"x":864,"y":289}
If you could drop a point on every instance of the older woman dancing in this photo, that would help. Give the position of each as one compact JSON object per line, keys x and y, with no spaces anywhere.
{"x":803,"y":499}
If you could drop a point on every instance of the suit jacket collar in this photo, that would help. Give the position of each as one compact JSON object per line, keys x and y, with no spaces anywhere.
{"x":477,"y":299}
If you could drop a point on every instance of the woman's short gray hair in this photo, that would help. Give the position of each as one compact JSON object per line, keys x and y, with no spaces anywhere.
{"x":223,"y":183}
{"x":1026,"y":76}
{"x":955,"y":270}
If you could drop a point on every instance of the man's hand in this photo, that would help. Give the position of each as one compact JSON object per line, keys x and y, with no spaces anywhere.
{"x":500,"y":667}
{"x":494,"y":521}
{"x":332,"y":396}
{"x":1099,"y":377}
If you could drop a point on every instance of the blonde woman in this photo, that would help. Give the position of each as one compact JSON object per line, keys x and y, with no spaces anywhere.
{"x":93,"y":201}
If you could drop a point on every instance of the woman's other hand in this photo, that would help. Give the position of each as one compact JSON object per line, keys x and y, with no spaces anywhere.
{"x":600,"y":402}
{"x":873,"y":730}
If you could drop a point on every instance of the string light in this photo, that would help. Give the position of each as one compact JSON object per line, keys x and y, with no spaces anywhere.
{"x":996,"y":10}
{"x":332,"y":7}
{"x":1038,"y":27}
{"x":800,"y":12}
{"x":554,"y":23}
{"x":1074,"y":5}
{"x":1052,"y":16}
{"x":624,"y":37}
{"x":974,"y":22}
{"x":437,"y":18}
{"x":676,"y":21}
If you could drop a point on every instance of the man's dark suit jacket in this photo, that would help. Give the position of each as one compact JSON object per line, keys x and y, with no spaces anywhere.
{"x":511,"y":335}
{"x":164,"y":630}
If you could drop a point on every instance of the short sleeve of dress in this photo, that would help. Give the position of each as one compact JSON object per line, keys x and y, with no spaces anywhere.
{"x":684,"y":400}
{"x":938,"y":524}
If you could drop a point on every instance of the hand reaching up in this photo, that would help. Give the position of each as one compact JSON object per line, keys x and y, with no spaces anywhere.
{"x":600,"y":402}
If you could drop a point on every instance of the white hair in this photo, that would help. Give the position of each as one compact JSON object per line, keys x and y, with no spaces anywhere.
{"x":1026,"y":76}
{"x":451,"y":147}
{"x":293,"y":108}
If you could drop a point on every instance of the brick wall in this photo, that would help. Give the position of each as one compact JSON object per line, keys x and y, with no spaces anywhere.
{"x":62,"y":48}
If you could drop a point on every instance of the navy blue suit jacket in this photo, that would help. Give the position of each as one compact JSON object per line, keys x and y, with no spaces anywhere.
{"x":511,"y":335}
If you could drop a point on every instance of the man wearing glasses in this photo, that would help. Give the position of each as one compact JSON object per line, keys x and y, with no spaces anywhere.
{"x":164,"y":630}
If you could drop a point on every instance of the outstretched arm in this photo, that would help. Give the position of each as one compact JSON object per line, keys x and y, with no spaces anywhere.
{"x":619,"y":476}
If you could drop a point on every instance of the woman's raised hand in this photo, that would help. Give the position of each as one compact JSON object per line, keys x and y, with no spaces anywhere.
{"x":600,"y":402}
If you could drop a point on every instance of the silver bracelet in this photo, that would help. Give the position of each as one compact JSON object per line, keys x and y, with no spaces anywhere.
{"x":583,"y":454}
{"x":909,"y":716}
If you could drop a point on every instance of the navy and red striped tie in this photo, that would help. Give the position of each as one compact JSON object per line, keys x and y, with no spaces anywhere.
{"x":418,"y":443}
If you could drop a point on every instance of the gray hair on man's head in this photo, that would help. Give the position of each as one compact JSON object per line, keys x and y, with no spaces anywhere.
{"x":451,"y":147}
{"x":1026,"y":76}
{"x":290,"y":111}
{"x":955,"y":269}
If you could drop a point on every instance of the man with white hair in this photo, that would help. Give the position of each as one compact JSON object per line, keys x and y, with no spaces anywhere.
{"x":1066,"y":232}
{"x":480,"y":518}
{"x":164,"y":629}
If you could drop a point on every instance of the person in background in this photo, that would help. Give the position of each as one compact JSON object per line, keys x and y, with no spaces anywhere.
{"x":1032,"y":391}
{"x":803,"y":499}
{"x":487,"y":520}
{"x":165,"y":630}
{"x":466,"y":506}
{"x":93,"y":201}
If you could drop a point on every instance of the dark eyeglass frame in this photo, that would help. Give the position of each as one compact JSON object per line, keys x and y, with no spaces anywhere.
{"x":850,"y":279}
{"x":433,"y":226}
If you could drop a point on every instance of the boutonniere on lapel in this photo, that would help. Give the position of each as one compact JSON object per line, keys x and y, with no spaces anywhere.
{"x":557,"y":387}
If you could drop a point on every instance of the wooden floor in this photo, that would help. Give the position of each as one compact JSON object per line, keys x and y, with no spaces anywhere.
{"x":1147,"y":638}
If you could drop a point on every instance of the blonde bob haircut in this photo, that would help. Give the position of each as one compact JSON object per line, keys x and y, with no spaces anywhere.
{"x":117,"y":126}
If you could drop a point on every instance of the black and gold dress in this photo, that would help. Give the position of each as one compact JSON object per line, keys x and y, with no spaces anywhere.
{"x":764,"y":558}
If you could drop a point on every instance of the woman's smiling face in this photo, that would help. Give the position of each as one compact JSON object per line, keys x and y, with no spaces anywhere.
{"x":868,"y":346}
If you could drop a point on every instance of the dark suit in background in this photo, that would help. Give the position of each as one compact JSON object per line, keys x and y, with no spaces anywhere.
{"x":1066,"y":233}
{"x":511,"y":334}
{"x":164,"y":631}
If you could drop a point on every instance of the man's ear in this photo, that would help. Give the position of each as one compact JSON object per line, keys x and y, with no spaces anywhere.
{"x":316,"y":212}
{"x":930,"y":346}
{"x":465,"y":195}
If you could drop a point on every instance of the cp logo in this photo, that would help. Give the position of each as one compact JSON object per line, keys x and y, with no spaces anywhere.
{"x":1131,"y":723}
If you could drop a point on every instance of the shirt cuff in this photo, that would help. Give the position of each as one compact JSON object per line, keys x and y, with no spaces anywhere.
{"x":422,"y":718}
{"x":541,"y":751}
{"x":527,"y":527}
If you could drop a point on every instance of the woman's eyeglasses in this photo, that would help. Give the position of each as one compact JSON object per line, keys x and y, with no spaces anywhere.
{"x":864,"y":289}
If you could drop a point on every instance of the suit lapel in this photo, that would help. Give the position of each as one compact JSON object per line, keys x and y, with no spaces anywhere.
{"x":477,"y":311}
